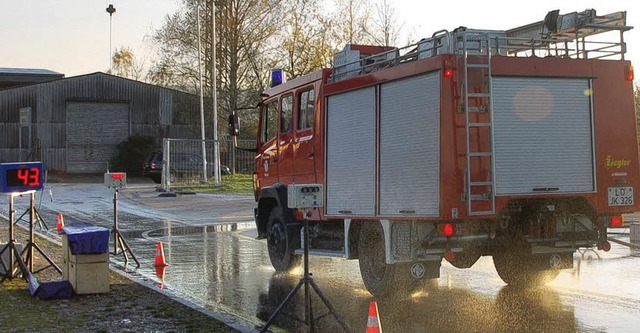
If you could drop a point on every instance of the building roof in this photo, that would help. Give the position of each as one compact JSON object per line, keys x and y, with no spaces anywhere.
{"x":28,"y":71}
{"x":17,"y":77}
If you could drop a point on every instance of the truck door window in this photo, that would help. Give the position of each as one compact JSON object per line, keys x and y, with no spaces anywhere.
{"x":269,"y":127}
{"x":305,"y":109}
{"x":286,"y":114}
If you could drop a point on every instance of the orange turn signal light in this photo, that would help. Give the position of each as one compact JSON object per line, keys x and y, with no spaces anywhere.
{"x":628,"y":73}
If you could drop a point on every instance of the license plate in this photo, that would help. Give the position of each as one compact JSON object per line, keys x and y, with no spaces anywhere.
{"x":620,"y":196}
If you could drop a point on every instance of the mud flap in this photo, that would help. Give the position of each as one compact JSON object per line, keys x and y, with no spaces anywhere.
{"x":553,"y":261}
{"x":418,"y":270}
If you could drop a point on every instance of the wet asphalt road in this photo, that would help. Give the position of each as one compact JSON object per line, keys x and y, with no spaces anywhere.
{"x":215,"y":262}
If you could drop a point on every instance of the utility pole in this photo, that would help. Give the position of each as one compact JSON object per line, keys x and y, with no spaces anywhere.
{"x":202,"y":133}
{"x":216,"y":150}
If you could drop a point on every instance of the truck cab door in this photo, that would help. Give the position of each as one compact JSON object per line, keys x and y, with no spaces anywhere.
{"x":285,"y":159}
{"x":304,"y":153}
{"x":267,"y":159}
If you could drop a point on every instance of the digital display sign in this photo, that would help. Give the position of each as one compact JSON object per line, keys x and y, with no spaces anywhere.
{"x":115,"y":180}
{"x":20,"y":176}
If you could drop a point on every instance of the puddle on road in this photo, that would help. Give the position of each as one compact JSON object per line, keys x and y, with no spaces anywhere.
{"x":187,"y":230}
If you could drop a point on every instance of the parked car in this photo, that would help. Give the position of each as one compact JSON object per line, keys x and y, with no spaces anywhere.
{"x":181,"y":164}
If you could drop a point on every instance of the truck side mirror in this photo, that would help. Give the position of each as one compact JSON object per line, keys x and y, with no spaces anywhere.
{"x":234,"y":125}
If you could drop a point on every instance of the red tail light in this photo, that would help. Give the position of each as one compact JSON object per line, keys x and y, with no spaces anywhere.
{"x":628,"y":73}
{"x":448,"y":72}
{"x":617,"y":222}
{"x":446,"y":229}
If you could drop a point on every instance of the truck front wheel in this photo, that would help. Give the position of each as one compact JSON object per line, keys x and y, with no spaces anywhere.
{"x":280,"y":242}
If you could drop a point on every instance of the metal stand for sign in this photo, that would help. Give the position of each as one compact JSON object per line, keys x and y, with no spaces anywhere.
{"x":306,"y":281}
{"x":38,"y":218}
{"x":31,"y":245}
{"x":14,"y":254}
{"x":119,"y":243}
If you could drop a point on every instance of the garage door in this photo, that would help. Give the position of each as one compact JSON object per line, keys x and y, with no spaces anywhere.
{"x":93,"y":132}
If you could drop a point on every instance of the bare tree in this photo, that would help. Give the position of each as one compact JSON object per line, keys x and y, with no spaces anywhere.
{"x":177,"y":62}
{"x":350,"y":23}
{"x":384,"y":28}
{"x":243,"y":30}
{"x":304,"y":37}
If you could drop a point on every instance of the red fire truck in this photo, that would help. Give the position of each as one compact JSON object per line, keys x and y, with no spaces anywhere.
{"x":517,"y":144}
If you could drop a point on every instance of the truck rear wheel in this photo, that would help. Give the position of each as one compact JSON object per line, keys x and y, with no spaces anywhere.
{"x":280,"y":242}
{"x":382,"y":279}
{"x":515,"y":267}
{"x":377,"y":275}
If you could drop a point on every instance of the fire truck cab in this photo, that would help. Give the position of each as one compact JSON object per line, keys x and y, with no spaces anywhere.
{"x":517,"y":144}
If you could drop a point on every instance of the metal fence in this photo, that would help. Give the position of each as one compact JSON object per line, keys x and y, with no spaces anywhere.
{"x":192,"y":162}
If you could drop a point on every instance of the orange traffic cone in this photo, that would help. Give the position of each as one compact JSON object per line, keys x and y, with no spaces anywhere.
{"x":160,"y":262}
{"x":373,"y":320}
{"x":60,"y":224}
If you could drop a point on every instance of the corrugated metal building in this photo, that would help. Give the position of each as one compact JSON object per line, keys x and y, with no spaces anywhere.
{"x":74,"y":124}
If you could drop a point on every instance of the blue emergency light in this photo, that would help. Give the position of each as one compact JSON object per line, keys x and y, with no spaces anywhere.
{"x":278,"y":77}
{"x":20,"y":177}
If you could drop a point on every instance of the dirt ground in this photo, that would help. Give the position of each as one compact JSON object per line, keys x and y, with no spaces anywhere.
{"x":127,"y":307}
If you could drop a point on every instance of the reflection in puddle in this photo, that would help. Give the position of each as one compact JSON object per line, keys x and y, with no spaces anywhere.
{"x":190,"y":230}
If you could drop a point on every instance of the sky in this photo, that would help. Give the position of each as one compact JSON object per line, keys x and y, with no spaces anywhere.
{"x":72,"y":36}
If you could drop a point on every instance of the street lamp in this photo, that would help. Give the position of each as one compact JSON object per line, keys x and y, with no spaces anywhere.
{"x":110,"y":10}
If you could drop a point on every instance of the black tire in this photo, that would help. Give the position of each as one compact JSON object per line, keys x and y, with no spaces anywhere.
{"x":515,"y":268}
{"x":378,"y":276}
{"x":280,"y":243}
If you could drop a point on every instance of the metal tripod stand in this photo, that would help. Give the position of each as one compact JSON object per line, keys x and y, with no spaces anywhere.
{"x":11,"y":247}
{"x":119,"y":243}
{"x":37,"y":215}
{"x":31,"y":244}
{"x":306,"y":280}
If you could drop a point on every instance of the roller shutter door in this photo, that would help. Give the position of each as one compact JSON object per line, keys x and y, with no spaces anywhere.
{"x":410,"y":146}
{"x":93,"y":132}
{"x":351,"y":153}
{"x":543,"y":135}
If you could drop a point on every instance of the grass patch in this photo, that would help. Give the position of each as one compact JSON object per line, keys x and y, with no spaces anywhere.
{"x":229,"y":184}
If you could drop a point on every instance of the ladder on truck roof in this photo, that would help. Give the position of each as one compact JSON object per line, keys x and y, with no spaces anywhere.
{"x":480,"y":166}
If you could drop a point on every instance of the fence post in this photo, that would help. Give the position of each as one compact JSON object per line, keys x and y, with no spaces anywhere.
{"x":165,"y":165}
